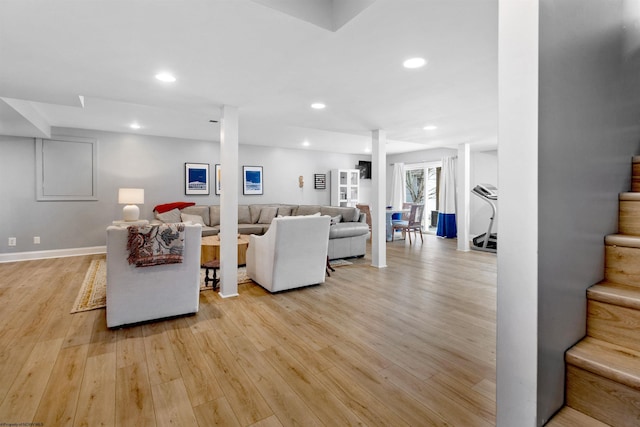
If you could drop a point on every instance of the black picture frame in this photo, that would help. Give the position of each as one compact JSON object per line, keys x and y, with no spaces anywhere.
{"x":365,"y":169}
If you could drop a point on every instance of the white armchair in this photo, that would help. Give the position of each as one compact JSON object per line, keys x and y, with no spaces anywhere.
{"x":137,"y":294}
{"x":291,"y":254}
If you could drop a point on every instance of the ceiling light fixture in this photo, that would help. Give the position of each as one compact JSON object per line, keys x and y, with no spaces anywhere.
{"x":165,"y":77}
{"x":414,"y":63}
{"x":135,"y":126}
{"x":306,"y":143}
{"x":430,"y":127}
{"x":318,"y":106}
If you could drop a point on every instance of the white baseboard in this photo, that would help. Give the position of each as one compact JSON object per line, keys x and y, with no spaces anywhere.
{"x":56,"y":253}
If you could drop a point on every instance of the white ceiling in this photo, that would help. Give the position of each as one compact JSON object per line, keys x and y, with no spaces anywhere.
{"x":270,"y":64}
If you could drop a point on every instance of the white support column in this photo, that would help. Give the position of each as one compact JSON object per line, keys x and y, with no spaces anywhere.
{"x":378,"y":199}
{"x":229,"y":202}
{"x":518,"y":313}
{"x":464,"y":193}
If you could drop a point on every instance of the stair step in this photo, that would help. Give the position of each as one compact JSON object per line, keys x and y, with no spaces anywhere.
{"x":616,"y":294}
{"x":629,"y":213}
{"x":569,"y":417}
{"x":608,"y":360}
{"x":623,"y":240}
{"x":613,"y":314}
{"x":635,"y":181}
{"x":622,"y":256}
{"x":603,"y":381}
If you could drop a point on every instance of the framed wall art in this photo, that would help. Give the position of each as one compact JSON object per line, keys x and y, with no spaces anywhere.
{"x":252,"y":180}
{"x":320,"y":181}
{"x":217,"y":178}
{"x":196,"y":178}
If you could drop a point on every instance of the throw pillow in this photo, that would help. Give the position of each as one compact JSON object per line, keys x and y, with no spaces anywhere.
{"x":200,"y":210}
{"x":285,"y":210}
{"x":336,"y":219}
{"x":170,"y":217}
{"x":267,"y":214}
{"x":196,"y":219}
{"x":244,"y":215}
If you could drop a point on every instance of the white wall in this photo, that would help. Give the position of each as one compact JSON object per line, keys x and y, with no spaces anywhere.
{"x":153,"y":163}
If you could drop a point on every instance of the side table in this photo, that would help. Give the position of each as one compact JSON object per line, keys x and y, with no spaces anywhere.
{"x":122,"y":223}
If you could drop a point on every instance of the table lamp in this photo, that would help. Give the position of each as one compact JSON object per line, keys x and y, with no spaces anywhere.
{"x":131,"y":197}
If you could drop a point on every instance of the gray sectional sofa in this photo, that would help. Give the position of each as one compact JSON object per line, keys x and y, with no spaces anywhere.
{"x":347,"y":236}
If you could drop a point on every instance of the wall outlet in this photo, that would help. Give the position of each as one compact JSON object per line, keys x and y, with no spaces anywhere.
{"x":12,"y":241}
{"x":36,"y":240}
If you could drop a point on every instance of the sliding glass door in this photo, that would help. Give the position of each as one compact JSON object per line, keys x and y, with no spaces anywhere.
{"x":422,"y":184}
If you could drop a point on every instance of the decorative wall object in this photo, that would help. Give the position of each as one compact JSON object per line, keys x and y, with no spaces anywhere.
{"x":217,"y":177}
{"x":365,"y":169}
{"x":66,"y":168}
{"x":320,"y":181}
{"x":196,"y":178}
{"x":252,"y":180}
{"x":300,"y":181}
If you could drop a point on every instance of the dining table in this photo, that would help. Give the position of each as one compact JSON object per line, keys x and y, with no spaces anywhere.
{"x":390,"y":212}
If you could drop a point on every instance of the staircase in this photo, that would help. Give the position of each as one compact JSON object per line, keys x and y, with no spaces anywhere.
{"x":603,"y":370}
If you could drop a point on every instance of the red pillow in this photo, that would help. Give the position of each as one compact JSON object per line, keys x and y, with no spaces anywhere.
{"x":171,"y":206}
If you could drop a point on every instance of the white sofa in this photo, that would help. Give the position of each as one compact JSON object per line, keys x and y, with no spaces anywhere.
{"x":292,"y":253}
{"x":138,"y":294}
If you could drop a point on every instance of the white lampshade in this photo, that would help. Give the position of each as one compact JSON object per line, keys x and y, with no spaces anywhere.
{"x":130,"y":197}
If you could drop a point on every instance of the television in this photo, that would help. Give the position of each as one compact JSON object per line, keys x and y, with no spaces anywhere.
{"x":365,"y":169}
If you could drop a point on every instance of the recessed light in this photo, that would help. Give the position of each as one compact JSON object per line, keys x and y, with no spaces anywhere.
{"x":306,"y":143}
{"x":318,"y":106}
{"x":430,"y":127}
{"x":135,"y":126}
{"x":367,"y":150}
{"x":165,"y":77}
{"x":414,"y":63}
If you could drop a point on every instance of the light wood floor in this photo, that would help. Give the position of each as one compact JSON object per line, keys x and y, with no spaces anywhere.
{"x":411,"y":344}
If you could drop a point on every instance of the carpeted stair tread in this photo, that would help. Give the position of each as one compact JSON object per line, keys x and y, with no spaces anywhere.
{"x":616,"y":294}
{"x":607,"y":360}
{"x":624,"y":240}
{"x":569,"y":417}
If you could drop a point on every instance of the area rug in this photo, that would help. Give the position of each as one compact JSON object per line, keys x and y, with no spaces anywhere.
{"x":93,"y":292}
{"x":339,"y":262}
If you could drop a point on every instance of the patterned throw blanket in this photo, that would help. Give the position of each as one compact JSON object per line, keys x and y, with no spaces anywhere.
{"x":155,"y":244}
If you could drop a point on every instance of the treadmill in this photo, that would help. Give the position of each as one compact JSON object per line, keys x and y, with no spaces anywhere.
{"x":488,"y":241}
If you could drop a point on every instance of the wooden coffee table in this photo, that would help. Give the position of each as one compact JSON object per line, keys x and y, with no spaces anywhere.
{"x":210,"y":249}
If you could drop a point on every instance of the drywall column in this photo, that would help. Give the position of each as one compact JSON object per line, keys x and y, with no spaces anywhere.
{"x":464,"y":192}
{"x":229,"y":202}
{"x":378,"y":198}
{"x":517,"y":295}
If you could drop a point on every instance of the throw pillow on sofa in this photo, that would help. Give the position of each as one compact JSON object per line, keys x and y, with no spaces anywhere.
{"x":285,"y":210}
{"x":267,"y":214}
{"x":200,"y":210}
{"x":196,"y":219}
{"x":169,"y":217}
